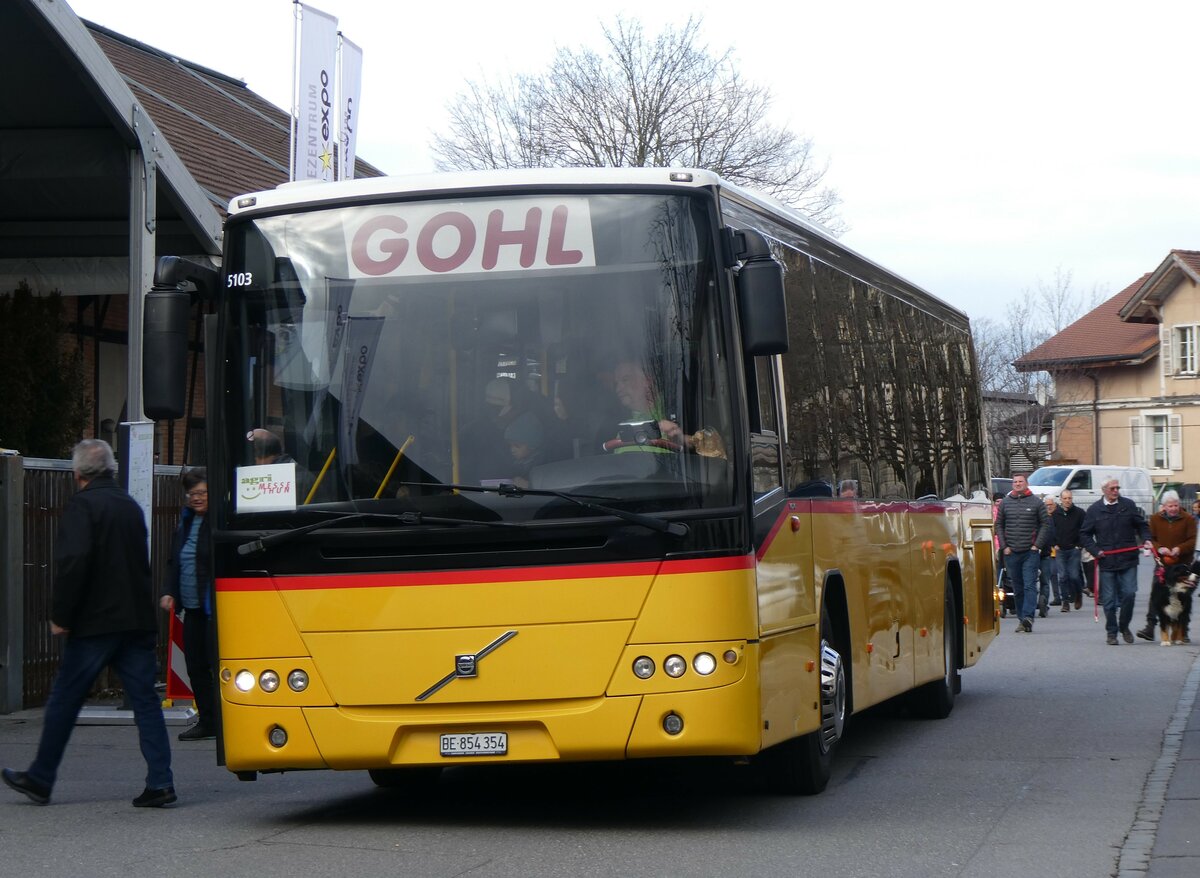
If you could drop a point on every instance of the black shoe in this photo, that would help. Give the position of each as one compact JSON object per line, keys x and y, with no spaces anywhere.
{"x":1066,"y":607}
{"x":1112,"y":640}
{"x":1079,"y":602}
{"x":1027,"y":624}
{"x":23,"y":783}
{"x":1127,"y":634}
{"x":1056,"y":602}
{"x":1146,"y":633}
{"x":198,"y":732}
{"x":155,"y":798}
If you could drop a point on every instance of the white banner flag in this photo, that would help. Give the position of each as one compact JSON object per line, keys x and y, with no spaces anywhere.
{"x":337,"y":313}
{"x":362,"y":339}
{"x":316,"y":114}
{"x":349,"y":85}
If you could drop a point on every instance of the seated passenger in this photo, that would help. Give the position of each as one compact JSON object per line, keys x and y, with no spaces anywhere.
{"x":526,"y":445}
{"x":267,"y":447}
{"x":483,"y":450}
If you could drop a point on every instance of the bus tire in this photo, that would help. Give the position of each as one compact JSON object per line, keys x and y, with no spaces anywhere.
{"x":935,"y":699}
{"x":420,"y":777}
{"x":803,"y":766}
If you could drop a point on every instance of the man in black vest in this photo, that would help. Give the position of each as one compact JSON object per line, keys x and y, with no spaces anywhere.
{"x":1023,"y":529}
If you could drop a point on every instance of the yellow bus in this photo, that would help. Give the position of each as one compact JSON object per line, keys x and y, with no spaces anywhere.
{"x":535,"y":466}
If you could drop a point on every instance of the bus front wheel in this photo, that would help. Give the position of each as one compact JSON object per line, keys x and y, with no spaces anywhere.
{"x":803,"y":766}
{"x":415,"y":778}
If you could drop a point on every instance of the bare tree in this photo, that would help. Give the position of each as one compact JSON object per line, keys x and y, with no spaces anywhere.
{"x":646,"y":102}
{"x":1018,"y":416}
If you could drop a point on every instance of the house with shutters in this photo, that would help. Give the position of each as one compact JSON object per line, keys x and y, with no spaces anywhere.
{"x":1127,"y":376}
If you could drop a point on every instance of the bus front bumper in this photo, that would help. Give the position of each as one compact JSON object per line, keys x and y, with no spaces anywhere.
{"x":722,"y":721}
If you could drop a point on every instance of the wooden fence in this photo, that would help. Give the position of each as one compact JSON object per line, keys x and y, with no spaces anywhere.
{"x":48,"y":485}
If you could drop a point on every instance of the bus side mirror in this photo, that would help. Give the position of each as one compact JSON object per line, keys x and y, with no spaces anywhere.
{"x":761,"y":306}
{"x":164,"y":353}
{"x":165,"y":335}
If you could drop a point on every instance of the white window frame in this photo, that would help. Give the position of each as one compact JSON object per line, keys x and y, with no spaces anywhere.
{"x":1143,"y":446}
{"x":1180,"y":356}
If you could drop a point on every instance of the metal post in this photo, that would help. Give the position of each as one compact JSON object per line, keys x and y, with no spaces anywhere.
{"x":12,"y":583}
{"x":142,"y":222}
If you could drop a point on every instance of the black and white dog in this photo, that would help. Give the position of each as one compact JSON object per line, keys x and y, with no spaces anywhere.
{"x":1171,"y":601}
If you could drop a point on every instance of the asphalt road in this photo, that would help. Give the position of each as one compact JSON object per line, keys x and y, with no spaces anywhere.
{"x":1040,"y":770}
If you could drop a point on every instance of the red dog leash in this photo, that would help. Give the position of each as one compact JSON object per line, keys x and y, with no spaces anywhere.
{"x":1096,"y":578}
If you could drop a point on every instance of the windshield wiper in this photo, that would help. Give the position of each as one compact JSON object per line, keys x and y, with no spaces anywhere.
{"x":652,"y":522}
{"x":406,"y":518}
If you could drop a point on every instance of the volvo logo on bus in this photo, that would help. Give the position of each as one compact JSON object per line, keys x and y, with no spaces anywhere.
{"x":467,"y":664}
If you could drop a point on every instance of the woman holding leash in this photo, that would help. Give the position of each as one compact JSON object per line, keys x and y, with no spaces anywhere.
{"x":1173,"y":534}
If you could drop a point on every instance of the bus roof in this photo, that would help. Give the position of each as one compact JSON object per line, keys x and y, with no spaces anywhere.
{"x":312,"y":193}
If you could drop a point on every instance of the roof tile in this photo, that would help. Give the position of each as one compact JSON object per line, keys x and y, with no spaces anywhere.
{"x":230,"y":139}
{"x":1099,"y":337}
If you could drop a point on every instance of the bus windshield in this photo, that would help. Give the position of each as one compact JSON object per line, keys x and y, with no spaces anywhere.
{"x":572,"y":343}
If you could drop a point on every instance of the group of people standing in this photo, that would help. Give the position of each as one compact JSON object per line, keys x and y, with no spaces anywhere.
{"x":1050,"y":539}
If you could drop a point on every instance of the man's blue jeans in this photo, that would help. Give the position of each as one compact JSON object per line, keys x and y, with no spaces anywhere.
{"x":1070,"y":573}
{"x":1023,"y":568}
{"x":1117,"y":591}
{"x":131,"y":654}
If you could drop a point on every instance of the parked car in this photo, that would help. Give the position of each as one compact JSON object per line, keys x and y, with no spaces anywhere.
{"x":1084,"y":481}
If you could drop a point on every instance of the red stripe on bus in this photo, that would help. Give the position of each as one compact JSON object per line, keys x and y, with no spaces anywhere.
{"x":474,"y":577}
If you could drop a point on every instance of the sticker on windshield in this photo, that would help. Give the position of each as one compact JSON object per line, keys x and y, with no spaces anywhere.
{"x":470,"y":237}
{"x":269,"y":488}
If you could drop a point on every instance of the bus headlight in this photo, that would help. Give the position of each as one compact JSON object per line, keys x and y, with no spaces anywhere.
{"x":643,"y":667}
{"x":297,"y":680}
{"x":244,"y":681}
{"x":704,"y":664}
{"x":269,"y":681}
{"x":675,"y":665}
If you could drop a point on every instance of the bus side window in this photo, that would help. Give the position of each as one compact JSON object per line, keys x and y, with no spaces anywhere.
{"x":765,"y":464}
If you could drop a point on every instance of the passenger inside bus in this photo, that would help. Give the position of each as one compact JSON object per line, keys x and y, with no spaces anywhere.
{"x":484,"y":450}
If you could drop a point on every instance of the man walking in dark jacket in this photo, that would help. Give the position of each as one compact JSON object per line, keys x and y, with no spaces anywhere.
{"x":104,"y":604}
{"x":1067,"y":521}
{"x":1112,"y":529}
{"x":1023,"y":529}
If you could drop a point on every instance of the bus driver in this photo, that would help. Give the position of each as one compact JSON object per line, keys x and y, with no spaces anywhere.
{"x":648,"y":428}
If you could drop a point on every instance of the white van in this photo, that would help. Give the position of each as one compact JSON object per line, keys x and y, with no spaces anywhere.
{"x":1084,"y":483}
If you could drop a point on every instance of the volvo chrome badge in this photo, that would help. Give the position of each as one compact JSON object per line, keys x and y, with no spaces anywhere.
{"x":467,"y":664}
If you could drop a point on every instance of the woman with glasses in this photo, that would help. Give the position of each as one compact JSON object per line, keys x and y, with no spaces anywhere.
{"x":189,"y":587}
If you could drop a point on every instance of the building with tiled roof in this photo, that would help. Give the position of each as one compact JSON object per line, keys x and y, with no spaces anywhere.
{"x":116,"y":153}
{"x":1127,"y":376}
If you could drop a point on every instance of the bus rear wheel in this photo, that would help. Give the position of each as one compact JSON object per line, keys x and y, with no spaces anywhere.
{"x":935,"y":699}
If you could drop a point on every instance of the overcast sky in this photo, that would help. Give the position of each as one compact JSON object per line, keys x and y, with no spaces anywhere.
{"x":977,"y":147}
